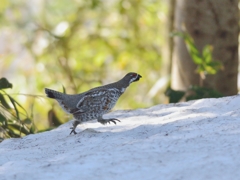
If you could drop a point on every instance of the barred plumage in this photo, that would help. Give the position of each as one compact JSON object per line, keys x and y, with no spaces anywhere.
{"x":96,"y":102}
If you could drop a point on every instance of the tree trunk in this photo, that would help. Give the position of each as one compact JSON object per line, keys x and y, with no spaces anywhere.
{"x":213,"y":22}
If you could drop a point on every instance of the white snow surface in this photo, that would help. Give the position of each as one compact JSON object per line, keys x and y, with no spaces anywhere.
{"x":193,"y":140}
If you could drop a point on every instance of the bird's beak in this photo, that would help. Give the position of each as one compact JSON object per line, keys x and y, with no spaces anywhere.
{"x":138,"y":77}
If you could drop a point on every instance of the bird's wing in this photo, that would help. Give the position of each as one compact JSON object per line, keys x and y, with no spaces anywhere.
{"x":68,"y":102}
{"x":96,"y":99}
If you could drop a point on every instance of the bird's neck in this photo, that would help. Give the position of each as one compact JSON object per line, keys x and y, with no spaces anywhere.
{"x":123,"y":84}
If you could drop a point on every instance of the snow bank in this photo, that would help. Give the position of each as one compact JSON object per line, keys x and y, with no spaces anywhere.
{"x":193,"y":140}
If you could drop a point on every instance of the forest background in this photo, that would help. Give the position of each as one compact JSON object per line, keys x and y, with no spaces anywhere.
{"x":76,"y":45}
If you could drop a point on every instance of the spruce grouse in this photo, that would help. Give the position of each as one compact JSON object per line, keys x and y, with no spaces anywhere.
{"x":94,"y":103}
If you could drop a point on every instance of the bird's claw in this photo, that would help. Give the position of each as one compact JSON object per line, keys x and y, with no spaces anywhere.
{"x":105,"y":121}
{"x":73,"y":130}
{"x":114,"y":121}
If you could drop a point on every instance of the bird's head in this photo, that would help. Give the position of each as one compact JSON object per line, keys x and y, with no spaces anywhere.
{"x":131,"y":77}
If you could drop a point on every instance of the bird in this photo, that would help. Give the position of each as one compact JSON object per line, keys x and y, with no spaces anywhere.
{"x":94,"y":103}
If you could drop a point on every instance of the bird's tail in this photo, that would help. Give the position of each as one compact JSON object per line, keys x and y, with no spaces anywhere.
{"x":53,"y":94}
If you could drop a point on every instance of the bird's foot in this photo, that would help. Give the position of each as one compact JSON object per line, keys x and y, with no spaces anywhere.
{"x":105,"y":121}
{"x":75,"y":123}
{"x":73,"y":130}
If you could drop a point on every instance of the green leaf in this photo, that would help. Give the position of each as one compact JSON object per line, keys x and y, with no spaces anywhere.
{"x":64,"y":89}
{"x":14,"y":105}
{"x":213,"y":66}
{"x":205,"y":62}
{"x":207,"y":53}
{"x":6,"y":113}
{"x":193,"y":51}
{"x":2,"y":118}
{"x":197,"y":59}
{"x":19,"y":128}
{"x":4,"y":84}
{"x":210,"y":70}
{"x":4,"y":102}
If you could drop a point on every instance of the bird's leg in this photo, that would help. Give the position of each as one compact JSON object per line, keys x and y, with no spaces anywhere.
{"x":105,"y":121}
{"x":75,"y":123}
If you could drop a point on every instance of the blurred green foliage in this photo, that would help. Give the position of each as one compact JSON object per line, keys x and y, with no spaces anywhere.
{"x":14,"y":119}
{"x":193,"y":93}
{"x":80,"y":45}
{"x":205,"y":65}
{"x":204,"y":61}
{"x":198,"y":92}
{"x":174,"y":96}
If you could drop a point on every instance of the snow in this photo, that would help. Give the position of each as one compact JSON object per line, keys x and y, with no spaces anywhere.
{"x":192,"y":140}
